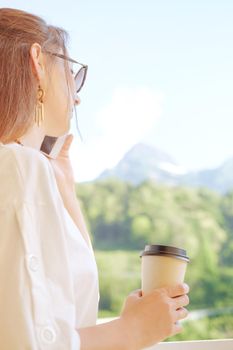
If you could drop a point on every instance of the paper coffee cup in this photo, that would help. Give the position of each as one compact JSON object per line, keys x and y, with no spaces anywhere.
{"x":162,"y":266}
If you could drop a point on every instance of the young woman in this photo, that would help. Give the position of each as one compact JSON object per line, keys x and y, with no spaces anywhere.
{"x":49,"y":281}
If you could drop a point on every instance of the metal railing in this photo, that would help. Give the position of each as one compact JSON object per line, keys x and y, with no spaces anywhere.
{"x":195,"y":345}
{"x":223,"y":344}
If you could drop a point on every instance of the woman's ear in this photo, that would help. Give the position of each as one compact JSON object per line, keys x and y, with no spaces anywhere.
{"x":37,"y":59}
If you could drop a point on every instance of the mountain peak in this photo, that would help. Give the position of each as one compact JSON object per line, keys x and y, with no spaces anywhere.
{"x":143,"y":162}
{"x":143,"y":149}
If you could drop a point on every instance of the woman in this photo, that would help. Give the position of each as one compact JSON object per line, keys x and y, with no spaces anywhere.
{"x":49,"y":281}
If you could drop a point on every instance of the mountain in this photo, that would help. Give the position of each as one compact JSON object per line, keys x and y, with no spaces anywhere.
{"x":143,"y":162}
{"x":219,"y":179}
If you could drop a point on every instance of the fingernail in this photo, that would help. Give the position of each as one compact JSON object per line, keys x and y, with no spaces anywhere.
{"x":186,"y":287}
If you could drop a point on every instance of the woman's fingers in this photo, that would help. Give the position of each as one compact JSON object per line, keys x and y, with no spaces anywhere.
{"x":181,"y":301}
{"x":66,"y":146}
{"x":177,"y":328}
{"x":179,"y":289}
{"x":181,"y":313}
{"x":68,"y":141}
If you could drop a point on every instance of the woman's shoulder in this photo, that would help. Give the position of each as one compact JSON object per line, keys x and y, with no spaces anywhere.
{"x":15,"y":152}
{"x":24,"y":170}
{"x":22,"y":161}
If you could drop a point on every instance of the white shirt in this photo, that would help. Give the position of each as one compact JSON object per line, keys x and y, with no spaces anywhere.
{"x":48,"y":273}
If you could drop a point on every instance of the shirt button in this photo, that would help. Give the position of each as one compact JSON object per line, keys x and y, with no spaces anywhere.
{"x":48,"y":335}
{"x":33,"y":262}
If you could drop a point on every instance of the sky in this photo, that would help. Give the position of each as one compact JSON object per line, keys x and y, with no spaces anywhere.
{"x":159,"y":72}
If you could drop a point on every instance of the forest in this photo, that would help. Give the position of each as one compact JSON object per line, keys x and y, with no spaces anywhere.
{"x":123,"y":218}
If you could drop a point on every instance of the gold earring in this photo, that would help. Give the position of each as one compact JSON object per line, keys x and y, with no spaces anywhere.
{"x":39,"y":110}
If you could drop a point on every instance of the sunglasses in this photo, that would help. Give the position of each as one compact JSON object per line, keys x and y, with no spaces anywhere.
{"x":81,"y":74}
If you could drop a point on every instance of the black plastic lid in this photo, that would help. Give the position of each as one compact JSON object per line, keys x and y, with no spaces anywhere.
{"x":165,"y":250}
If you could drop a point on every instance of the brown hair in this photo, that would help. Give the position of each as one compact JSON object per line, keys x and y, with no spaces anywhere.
{"x":18,"y":85}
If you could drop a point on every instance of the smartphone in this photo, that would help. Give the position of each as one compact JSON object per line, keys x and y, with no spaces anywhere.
{"x":51,"y":146}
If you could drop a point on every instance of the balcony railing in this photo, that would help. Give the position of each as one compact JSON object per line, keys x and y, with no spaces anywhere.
{"x":223,"y":344}
{"x":195,"y":345}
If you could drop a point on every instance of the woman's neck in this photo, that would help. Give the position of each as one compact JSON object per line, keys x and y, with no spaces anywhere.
{"x":33,"y":138}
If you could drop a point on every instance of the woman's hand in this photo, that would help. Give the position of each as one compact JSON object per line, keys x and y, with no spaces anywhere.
{"x":144,"y":321}
{"x":151,"y":318}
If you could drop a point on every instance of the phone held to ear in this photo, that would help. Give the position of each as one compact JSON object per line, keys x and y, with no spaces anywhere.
{"x":51,"y":146}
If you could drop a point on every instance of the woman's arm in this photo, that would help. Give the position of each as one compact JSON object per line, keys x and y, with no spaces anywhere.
{"x":108,"y":336}
{"x":72,"y":205}
{"x":66,"y":184}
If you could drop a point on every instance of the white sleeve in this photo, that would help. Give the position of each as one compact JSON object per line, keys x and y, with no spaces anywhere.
{"x":36,"y":309}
